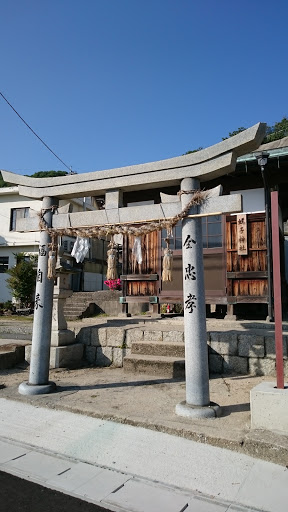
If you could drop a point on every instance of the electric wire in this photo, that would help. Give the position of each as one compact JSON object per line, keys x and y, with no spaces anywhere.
{"x":34,"y":133}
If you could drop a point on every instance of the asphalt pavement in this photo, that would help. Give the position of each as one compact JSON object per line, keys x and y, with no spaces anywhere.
{"x":20,"y":495}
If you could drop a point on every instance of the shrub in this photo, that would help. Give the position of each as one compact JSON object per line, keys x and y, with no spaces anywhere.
{"x":22,"y":279}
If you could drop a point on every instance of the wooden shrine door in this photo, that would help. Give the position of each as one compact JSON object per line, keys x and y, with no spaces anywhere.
{"x":247,"y":277}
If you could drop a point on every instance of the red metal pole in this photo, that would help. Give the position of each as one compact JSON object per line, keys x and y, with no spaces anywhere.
{"x":277,"y":289}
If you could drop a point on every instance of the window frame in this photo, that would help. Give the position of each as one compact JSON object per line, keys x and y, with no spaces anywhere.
{"x":4,"y":265}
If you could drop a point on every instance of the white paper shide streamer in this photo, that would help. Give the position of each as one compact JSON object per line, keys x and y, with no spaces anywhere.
{"x":80,"y":249}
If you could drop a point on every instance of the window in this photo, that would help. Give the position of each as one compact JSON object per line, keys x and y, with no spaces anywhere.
{"x":68,"y":245}
{"x":4,"y":261}
{"x":176,"y":241}
{"x":16,"y":214}
{"x":212,"y":231}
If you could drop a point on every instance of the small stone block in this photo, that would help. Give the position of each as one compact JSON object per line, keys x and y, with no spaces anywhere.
{"x":235,"y":364}
{"x":62,"y":338}
{"x":251,"y":346}
{"x":95,"y":335}
{"x":133,"y":335}
{"x":104,"y":356}
{"x":225,"y":345}
{"x":84,"y":336}
{"x":270,"y":347}
{"x":28,"y":349}
{"x":174,"y":336}
{"x":66,"y":357}
{"x":102,"y":336}
{"x":115,"y":336}
{"x":90,"y":354}
{"x":259,"y":366}
{"x":152,"y":335}
{"x":215,"y":363}
{"x":118,"y":357}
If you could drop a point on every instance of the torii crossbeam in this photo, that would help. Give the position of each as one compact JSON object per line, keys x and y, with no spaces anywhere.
{"x":187,"y":172}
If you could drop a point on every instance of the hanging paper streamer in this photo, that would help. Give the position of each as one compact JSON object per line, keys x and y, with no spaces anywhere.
{"x":111,"y":263}
{"x":136,"y":254}
{"x":51,"y":271}
{"x":80,"y":249}
{"x":167,"y":264}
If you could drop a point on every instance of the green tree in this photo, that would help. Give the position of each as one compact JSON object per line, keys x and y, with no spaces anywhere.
{"x":193,"y":151}
{"x":22,"y":278}
{"x":278,"y":131}
{"x":48,"y":174}
{"x":231,"y":134}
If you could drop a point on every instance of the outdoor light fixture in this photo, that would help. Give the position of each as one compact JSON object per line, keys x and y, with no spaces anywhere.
{"x":262,"y":159}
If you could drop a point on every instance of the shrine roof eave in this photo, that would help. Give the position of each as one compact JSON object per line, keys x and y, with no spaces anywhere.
{"x":205,"y":165}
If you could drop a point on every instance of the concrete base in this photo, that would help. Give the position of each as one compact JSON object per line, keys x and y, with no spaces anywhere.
{"x":62,"y":337}
{"x":269,"y":407}
{"x":36,"y":389}
{"x":66,"y":357}
{"x":194,"y":411}
{"x":62,"y":357}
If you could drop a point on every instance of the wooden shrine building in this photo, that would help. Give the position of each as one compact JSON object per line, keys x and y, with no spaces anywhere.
{"x":237,"y":275}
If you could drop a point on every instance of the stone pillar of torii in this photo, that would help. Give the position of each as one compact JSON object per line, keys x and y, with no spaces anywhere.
{"x":188,"y":172}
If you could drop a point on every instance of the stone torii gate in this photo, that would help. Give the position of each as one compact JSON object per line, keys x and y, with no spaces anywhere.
{"x":188,"y":172}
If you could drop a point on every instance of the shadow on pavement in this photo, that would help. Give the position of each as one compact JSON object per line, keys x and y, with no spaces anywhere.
{"x":19,"y":495}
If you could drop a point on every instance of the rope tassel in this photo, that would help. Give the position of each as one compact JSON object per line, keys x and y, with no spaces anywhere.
{"x":167,"y":264}
{"x":111,"y":263}
{"x":51,"y":271}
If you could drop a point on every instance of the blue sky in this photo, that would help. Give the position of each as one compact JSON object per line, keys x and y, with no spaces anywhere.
{"x":109,"y":83}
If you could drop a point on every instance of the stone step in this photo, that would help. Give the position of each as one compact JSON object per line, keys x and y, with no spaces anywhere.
{"x":159,"y":366}
{"x":80,"y":300}
{"x":11,"y":355}
{"x":72,"y":316}
{"x":81,"y":295}
{"x":74,"y":307}
{"x":158,"y":348}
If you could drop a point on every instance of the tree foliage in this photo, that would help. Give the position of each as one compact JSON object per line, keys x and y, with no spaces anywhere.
{"x":48,"y":174}
{"x":278,"y":131}
{"x":231,"y":134}
{"x":22,"y":278}
{"x":193,"y":151}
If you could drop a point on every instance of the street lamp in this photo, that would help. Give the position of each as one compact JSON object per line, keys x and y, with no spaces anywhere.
{"x":262,"y":159}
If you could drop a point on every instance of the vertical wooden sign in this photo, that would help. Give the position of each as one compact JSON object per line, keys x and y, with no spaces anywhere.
{"x":242,"y":242}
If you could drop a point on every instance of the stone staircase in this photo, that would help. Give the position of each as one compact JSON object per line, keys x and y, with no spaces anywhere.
{"x":79,"y":304}
{"x":85,"y":304}
{"x":162,"y":359}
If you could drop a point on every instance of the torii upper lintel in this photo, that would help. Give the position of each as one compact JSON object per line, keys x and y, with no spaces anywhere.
{"x":204,"y":165}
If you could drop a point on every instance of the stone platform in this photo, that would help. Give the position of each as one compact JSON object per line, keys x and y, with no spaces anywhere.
{"x":156,"y":346}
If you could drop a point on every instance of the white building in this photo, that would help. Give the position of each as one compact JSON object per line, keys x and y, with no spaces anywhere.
{"x":13,"y":207}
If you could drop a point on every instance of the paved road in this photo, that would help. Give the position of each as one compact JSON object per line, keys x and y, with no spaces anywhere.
{"x":18,"y":495}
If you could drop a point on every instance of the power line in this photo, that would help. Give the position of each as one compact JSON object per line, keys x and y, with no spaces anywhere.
{"x":69,"y":168}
